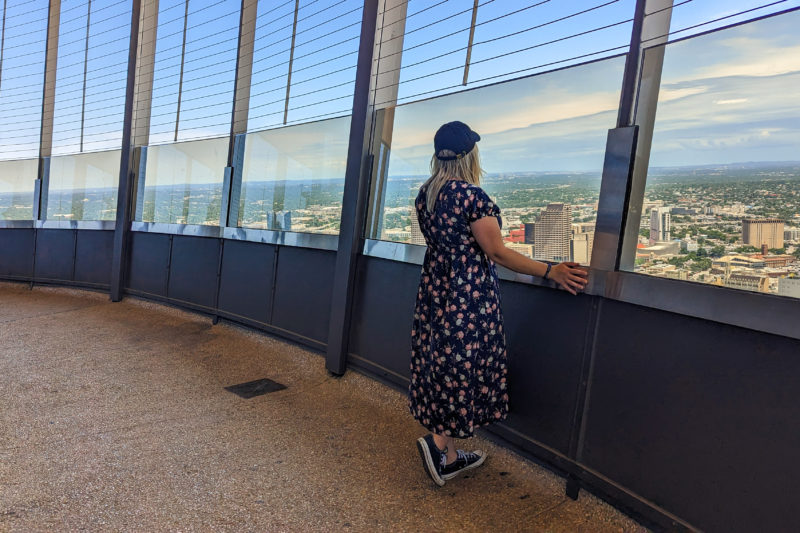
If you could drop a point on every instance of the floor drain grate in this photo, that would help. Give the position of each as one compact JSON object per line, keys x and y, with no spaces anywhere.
{"x":255,"y":388}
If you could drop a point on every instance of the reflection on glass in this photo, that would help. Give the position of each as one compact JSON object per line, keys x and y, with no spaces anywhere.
{"x":293,"y":177}
{"x":84,"y":186}
{"x":183,"y":182}
{"x":542,"y":145}
{"x":16,"y":189}
{"x":722,"y":202}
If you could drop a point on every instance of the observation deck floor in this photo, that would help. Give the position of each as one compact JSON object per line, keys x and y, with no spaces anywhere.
{"x":115,"y":417}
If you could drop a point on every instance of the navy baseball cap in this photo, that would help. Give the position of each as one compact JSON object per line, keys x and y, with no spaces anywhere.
{"x":457,"y":137}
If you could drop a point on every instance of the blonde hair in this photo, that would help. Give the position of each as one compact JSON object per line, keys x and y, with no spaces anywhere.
{"x":467,"y":168}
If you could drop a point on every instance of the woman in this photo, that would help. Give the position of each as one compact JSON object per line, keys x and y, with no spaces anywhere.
{"x":458,"y":365}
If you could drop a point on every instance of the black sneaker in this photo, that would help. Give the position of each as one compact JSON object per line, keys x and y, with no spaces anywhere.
{"x":432,"y":458}
{"x":465,"y":461}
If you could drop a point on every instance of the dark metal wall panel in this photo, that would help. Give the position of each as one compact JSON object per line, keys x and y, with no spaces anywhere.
{"x":383,"y":308}
{"x":93,"y":256}
{"x":193,"y":270}
{"x":55,"y":251}
{"x":149,"y":263}
{"x":545,"y":332}
{"x":303,"y":286}
{"x":698,"y":417}
{"x":246,"y":282}
{"x":16,"y":252}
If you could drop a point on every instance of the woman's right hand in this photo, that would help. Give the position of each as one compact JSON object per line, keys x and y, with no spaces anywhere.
{"x":571,"y":277}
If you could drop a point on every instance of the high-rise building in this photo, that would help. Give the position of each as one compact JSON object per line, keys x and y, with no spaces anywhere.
{"x":769,"y":231}
{"x":789,"y":287}
{"x":659,"y":225}
{"x":416,"y":232}
{"x":530,"y":232}
{"x":552,"y":235}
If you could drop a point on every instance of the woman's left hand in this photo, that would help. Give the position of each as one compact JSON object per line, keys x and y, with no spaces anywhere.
{"x":571,"y":277}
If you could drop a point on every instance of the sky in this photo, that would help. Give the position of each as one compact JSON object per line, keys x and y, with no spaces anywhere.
{"x":552,"y":121}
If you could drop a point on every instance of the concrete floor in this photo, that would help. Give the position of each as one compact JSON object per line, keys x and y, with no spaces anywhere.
{"x":115,"y":418}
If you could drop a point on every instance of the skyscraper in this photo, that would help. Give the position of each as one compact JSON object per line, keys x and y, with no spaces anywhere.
{"x":659,"y":225}
{"x":767,"y":231}
{"x":552,"y":235}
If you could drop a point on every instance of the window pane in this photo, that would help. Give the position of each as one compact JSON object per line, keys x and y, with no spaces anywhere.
{"x":293,"y":177}
{"x":183,"y":182}
{"x":16,"y":189}
{"x":542,"y":145}
{"x":84,"y":186}
{"x":722,"y":202}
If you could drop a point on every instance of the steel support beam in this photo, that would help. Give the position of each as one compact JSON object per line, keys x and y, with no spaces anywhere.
{"x":145,"y":66}
{"x":655,"y":30}
{"x":354,"y":198}
{"x":42,"y":184}
{"x":127,"y":177}
{"x":232,"y":184}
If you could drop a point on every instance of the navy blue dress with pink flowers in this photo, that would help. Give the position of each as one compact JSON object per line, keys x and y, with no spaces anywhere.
{"x":458,"y":348}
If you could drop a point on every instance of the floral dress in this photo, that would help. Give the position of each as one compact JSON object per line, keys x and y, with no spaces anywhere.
{"x":458,"y":352}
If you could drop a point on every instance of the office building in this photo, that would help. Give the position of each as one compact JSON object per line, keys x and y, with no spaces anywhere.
{"x":659,"y":224}
{"x":767,"y":231}
{"x":552,"y":235}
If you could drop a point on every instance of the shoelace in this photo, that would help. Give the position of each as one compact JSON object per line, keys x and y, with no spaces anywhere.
{"x":467,"y":457}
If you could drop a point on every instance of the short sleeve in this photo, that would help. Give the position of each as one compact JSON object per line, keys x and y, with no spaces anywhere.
{"x":479,"y":205}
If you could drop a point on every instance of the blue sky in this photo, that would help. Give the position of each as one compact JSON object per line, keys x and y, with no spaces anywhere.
{"x":551,"y":122}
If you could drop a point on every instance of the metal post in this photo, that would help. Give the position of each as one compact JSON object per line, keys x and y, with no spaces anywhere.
{"x":232,"y":184}
{"x":2,"y":41}
{"x":291,"y":61}
{"x":655,"y":30}
{"x":48,"y":102}
{"x":85,"y":69}
{"x":354,"y":198}
{"x":126,"y":173}
{"x":180,"y":80}
{"x":469,"y":45}
{"x":386,"y":72}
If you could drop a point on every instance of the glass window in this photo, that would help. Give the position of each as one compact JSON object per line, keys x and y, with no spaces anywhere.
{"x":542,"y":144}
{"x":90,"y":85}
{"x":722,"y":200}
{"x":24,"y":37}
{"x":293,"y":177}
{"x":183,"y":182}
{"x":84,"y":186}
{"x":16,"y":188}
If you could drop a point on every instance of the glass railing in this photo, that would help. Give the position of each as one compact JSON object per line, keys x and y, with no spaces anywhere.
{"x":84,"y":186}
{"x":293,"y":177}
{"x":16,"y":188}
{"x":542,"y":145}
{"x":183,"y":182}
{"x":722,"y":200}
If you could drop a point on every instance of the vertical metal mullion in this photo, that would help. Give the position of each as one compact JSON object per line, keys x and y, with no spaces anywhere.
{"x":126,"y":175}
{"x":85,"y":68}
{"x":353,"y":199}
{"x":291,"y":61}
{"x":180,"y":79}
{"x":630,"y":75}
{"x":469,"y":45}
{"x":42,"y":184}
{"x":232,"y":186}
